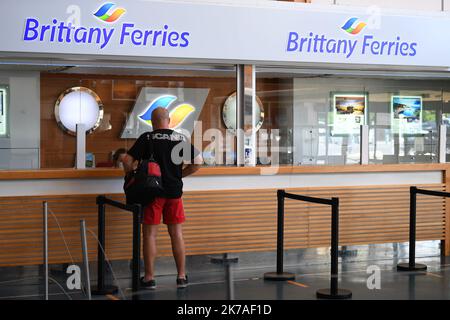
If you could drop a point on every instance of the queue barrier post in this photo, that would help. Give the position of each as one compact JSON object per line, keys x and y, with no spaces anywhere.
{"x":136,"y":209}
{"x":334,"y":292}
{"x":330,"y":293}
{"x":84,"y":251}
{"x":411,"y":265}
{"x":280,"y":275}
{"x":136,"y":265}
{"x":45,"y":247}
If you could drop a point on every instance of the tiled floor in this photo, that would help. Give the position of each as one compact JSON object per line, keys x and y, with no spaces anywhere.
{"x":312,"y":273}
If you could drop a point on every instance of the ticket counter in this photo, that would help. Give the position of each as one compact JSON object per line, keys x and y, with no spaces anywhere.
{"x":228,"y":209}
{"x":271,"y":106}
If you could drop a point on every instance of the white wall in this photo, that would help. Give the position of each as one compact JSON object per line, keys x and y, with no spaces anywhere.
{"x":199,"y":183}
{"x":421,"y":5}
{"x":21,"y":149}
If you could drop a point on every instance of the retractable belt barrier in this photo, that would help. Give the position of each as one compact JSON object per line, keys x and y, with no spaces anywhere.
{"x":330,"y":293}
{"x":413,"y":191}
{"x":136,"y":209}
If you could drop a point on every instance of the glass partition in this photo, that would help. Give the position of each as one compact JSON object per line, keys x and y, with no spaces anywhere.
{"x":303,"y":118}
{"x":47,"y":102}
{"x":324,"y":112}
{"x":404,"y":121}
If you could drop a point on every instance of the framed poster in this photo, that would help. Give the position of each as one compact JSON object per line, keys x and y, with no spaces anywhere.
{"x":349,"y":112}
{"x":406,"y":114}
{"x":4,"y":111}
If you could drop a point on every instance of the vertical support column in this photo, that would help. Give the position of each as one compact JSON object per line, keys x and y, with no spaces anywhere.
{"x":81,"y":147}
{"x":250,"y":115}
{"x":364,"y":144}
{"x":45,"y":251}
{"x":442,"y":143}
{"x":240,"y":103}
{"x":280,"y":275}
{"x":245,"y":115}
{"x":87,"y":278}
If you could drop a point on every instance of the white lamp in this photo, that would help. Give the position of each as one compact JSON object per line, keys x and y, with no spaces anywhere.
{"x":78,"y":105}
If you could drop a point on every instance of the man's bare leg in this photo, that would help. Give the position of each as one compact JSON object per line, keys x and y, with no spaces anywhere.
{"x":149,"y":244}
{"x":178,"y":248}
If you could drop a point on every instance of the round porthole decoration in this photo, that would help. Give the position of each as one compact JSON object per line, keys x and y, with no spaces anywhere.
{"x":78,"y":105}
{"x":229,"y":113}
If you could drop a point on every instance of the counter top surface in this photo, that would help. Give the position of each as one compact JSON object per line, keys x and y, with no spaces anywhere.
{"x":111,"y":173}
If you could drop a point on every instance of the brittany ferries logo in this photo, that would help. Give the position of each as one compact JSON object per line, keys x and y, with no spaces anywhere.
{"x":351,"y":27}
{"x":315,"y":44}
{"x":102,"y":13}
{"x":177,"y":114}
{"x":183,"y":104}
{"x":127,"y":34}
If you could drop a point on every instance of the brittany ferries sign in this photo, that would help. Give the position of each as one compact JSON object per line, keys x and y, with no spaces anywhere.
{"x":348,"y":47}
{"x":275,"y":32}
{"x":127,"y":35}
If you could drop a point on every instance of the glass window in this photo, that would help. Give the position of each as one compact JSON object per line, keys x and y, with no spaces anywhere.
{"x":303,"y":119}
{"x":404,"y":117}
{"x":322,"y":113}
{"x":43,"y":136}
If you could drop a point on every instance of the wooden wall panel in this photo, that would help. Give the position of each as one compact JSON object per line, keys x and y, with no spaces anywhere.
{"x":118,"y":94}
{"x":221,"y":221}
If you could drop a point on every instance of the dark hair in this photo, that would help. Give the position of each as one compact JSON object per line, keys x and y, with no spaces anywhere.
{"x":117,"y":153}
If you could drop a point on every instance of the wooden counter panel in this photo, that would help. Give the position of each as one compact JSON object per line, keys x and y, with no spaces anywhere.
{"x":221,"y":221}
{"x":110,"y":173}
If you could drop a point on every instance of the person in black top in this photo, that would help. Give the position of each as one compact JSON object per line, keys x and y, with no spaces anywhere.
{"x":177,"y":158}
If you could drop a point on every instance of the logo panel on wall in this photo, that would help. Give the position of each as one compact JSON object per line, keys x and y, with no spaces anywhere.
{"x":184,"y":106}
{"x":352,"y":26}
{"x":105,"y":13}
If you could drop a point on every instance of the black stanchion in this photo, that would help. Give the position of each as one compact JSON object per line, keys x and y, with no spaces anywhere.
{"x":136,"y":270}
{"x":136,"y":209}
{"x":411,"y":265}
{"x":280,"y":275}
{"x":334,"y":292}
{"x":101,"y":288}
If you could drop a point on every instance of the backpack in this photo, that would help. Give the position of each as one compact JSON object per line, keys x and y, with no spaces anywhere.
{"x":143,"y":184}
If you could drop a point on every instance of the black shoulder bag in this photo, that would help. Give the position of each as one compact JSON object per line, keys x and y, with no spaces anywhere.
{"x":144,"y":184}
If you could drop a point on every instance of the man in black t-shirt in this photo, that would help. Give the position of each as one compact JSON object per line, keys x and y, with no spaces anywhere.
{"x":177,"y":158}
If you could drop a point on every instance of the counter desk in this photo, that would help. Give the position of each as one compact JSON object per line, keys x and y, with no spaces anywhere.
{"x":228,"y":209}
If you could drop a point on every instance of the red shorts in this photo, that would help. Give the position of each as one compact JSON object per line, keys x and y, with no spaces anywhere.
{"x":171,"y":209}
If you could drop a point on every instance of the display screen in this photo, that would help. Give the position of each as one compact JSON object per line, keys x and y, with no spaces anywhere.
{"x":349,"y":111}
{"x":406,"y":114}
{"x":3,"y":112}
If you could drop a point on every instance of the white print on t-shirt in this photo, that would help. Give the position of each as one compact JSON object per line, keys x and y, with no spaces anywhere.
{"x":171,"y":137}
